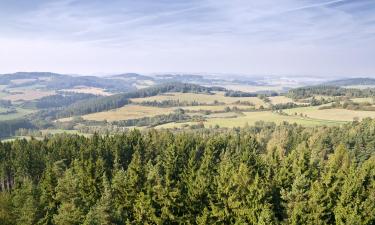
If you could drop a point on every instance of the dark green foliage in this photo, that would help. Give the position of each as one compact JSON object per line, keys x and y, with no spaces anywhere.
{"x":310,"y":91}
{"x":240,"y":94}
{"x":60,"y":100}
{"x":288,"y":105}
{"x":231,"y":93}
{"x":56,"y":81}
{"x":153,"y":121}
{"x":264,"y":174}
{"x":352,"y":81}
{"x":5,"y":103}
{"x":9,"y":127}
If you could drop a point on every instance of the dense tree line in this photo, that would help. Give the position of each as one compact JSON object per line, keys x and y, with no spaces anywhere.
{"x":62,"y":99}
{"x":119,"y":100}
{"x":288,"y":105}
{"x":5,"y":103}
{"x":153,"y":121}
{"x":56,"y":81}
{"x":350,"y":105}
{"x":264,"y":174}
{"x":176,"y":103}
{"x":310,"y":91}
{"x":9,"y":127}
{"x":352,"y":81}
{"x":231,"y":93}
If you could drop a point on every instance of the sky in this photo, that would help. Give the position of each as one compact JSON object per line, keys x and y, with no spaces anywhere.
{"x":249,"y":37}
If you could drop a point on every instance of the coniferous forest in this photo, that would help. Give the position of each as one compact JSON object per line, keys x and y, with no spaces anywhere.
{"x":264,"y":174}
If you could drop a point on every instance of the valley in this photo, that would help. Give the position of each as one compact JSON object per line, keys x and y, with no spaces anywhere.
{"x":86,"y":105}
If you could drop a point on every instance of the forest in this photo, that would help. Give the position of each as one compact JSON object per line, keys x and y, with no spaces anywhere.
{"x":261,"y":174}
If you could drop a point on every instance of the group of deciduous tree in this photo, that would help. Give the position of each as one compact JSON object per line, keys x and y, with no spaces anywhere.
{"x":264,"y":174}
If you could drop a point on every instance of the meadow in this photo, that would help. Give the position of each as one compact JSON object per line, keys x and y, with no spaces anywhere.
{"x":227,"y":112}
{"x":313,"y":112}
{"x":250,"y":118}
{"x":21,"y":112}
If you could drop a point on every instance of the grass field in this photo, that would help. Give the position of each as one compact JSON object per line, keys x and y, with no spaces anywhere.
{"x":128,"y":112}
{"x":202,"y":98}
{"x":251,"y":117}
{"x":331,"y":114}
{"x":20,"y":113}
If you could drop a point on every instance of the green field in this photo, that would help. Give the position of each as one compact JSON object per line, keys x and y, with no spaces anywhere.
{"x":19,"y":114}
{"x":249,"y":118}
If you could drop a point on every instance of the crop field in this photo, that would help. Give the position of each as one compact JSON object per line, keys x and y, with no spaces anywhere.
{"x":215,"y":108}
{"x":359,"y":100}
{"x":128,"y":112}
{"x":202,"y":98}
{"x":330,"y":114}
{"x":281,"y":100}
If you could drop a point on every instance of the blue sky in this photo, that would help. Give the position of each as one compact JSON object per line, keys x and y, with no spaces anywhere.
{"x":267,"y":37}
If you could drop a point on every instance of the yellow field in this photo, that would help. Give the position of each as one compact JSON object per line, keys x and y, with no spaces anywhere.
{"x":280,"y":100}
{"x":88,"y":90}
{"x":359,"y":100}
{"x":331,"y":114}
{"x":201,"y":98}
{"x":128,"y":112}
{"x":251,"y":117}
{"x":214,"y":107}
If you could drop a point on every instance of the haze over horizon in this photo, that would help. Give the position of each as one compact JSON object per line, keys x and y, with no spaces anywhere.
{"x":325,"y":37}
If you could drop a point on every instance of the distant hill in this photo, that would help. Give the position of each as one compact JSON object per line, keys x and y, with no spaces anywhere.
{"x":119,"y":100}
{"x":351,"y":81}
{"x":134,"y":76}
{"x":57,"y":81}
